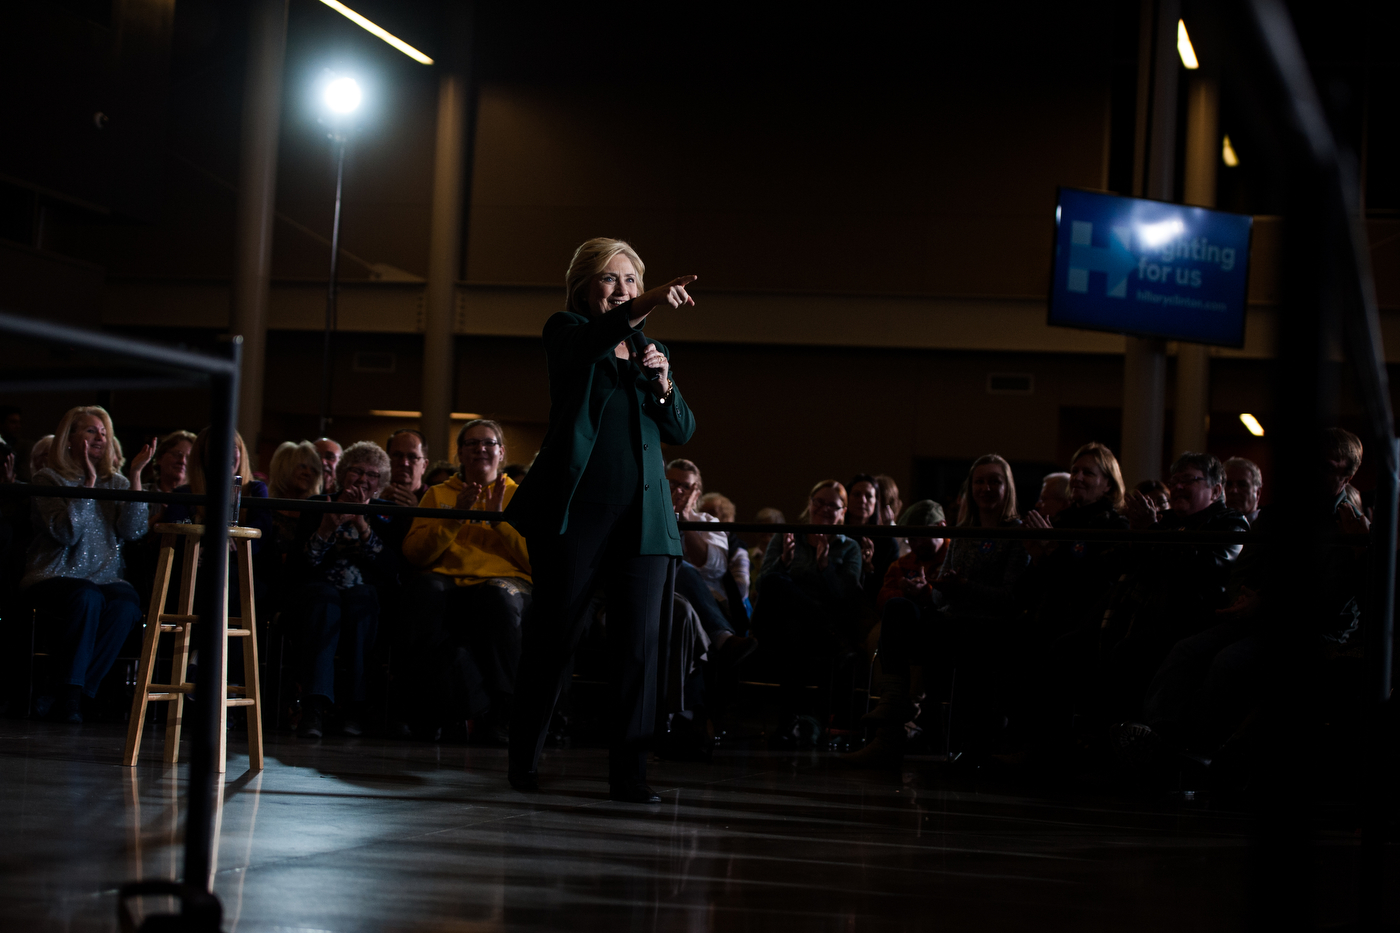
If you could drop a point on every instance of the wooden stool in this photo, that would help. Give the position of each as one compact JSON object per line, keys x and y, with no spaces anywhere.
{"x":179,"y":622}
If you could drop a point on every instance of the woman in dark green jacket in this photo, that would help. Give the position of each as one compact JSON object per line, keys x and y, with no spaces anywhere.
{"x":595,"y":507}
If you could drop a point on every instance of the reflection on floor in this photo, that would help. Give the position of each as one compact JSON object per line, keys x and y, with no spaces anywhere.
{"x":359,"y":834}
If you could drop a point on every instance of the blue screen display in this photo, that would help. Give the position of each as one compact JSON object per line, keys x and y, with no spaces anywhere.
{"x":1150,"y":268}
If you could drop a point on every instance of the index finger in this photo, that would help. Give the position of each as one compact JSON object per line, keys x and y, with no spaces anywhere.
{"x":683,"y":280}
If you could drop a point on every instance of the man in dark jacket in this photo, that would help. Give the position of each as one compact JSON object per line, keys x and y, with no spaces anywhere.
{"x":1171,"y":591}
{"x":1208,"y":682}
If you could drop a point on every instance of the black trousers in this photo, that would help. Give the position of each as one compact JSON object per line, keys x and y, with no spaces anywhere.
{"x":466,"y":645}
{"x":599,"y":548}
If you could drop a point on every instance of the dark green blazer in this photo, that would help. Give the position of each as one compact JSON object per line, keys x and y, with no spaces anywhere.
{"x":575,"y":346}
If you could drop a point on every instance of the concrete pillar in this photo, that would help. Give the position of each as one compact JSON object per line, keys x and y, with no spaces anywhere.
{"x":257,"y":192}
{"x":1144,"y":359}
{"x":445,"y":237}
{"x":1193,"y":359}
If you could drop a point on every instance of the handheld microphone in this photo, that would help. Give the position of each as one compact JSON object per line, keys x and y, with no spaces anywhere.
{"x":638,"y":344}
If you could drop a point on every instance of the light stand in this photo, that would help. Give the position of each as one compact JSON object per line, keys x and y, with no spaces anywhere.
{"x":342,"y":96}
{"x":331,"y":322}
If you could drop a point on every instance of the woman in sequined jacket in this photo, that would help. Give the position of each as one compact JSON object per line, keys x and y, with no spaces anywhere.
{"x":74,"y":575}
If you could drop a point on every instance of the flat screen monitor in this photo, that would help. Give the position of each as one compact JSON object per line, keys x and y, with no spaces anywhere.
{"x":1150,"y":268}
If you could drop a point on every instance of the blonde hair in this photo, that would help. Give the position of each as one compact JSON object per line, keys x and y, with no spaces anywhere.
{"x":62,"y":462}
{"x":717,"y":504}
{"x":285,"y":460}
{"x":589,"y":260}
{"x":824,"y":484}
{"x":40,"y":451}
{"x":968,"y":513}
{"x":1108,"y":465}
{"x":195,"y":470}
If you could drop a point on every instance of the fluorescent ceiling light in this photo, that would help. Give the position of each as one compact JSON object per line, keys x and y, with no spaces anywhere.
{"x":394,"y":40}
{"x":1183,"y":45}
{"x":1252,"y":423}
{"x":394,"y":413}
{"x":1227,"y":153}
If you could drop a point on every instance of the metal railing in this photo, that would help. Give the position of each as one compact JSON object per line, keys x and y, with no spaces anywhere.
{"x":1017,"y":533}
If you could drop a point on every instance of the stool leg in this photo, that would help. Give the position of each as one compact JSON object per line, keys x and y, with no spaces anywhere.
{"x":150,"y":642}
{"x":250,"y":654}
{"x":222,"y":674}
{"x":179,"y":664}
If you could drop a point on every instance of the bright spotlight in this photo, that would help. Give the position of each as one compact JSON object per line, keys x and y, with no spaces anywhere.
{"x":1252,"y":424}
{"x":343,"y":95}
{"x":1183,"y":47}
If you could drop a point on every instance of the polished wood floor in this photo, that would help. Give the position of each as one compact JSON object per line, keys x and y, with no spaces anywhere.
{"x":364,"y":834}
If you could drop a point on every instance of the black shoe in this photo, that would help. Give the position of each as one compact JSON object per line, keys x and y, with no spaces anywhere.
{"x":735,"y":649}
{"x":632,"y":792}
{"x":524,"y":781}
{"x":313,"y":719}
{"x":351,"y":726}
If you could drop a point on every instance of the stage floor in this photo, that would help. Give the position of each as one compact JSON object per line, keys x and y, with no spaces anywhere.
{"x":364,"y":834}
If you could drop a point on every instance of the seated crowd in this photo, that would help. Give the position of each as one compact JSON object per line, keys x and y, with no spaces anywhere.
{"x":411,"y":625}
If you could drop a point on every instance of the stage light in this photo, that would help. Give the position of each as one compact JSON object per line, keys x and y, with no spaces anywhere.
{"x":1252,"y":423}
{"x":343,"y":95}
{"x":387,"y":36}
{"x":1227,"y":153}
{"x":1183,"y":46}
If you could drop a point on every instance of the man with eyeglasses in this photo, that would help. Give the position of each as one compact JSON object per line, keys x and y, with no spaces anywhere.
{"x":1211,"y":681}
{"x":408,"y":459}
{"x":1173,"y":590}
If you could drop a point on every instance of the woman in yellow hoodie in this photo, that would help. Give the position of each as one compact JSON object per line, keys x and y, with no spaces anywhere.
{"x":464,"y":612}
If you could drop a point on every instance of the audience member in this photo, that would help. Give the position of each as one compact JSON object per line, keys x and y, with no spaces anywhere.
{"x":74,"y":577}
{"x":892,"y":509}
{"x":440,"y":471}
{"x":1065,"y":593}
{"x":329,"y":451}
{"x":12,"y":433}
{"x":809,"y":602}
{"x":1054,"y":495}
{"x":166,"y":472}
{"x":296,"y":472}
{"x":1242,"y":484}
{"x":980,"y":578}
{"x":408,"y":453}
{"x":868,"y":507}
{"x":39,"y":454}
{"x":338,"y":573}
{"x":700,"y":576}
{"x":979,"y":584}
{"x":1156,"y":492}
{"x":908,"y":636}
{"x":770,"y":516}
{"x":1207,"y":685}
{"x":466,"y":609}
{"x":1170,"y":592}
{"x":738,"y":580}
